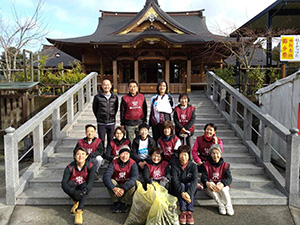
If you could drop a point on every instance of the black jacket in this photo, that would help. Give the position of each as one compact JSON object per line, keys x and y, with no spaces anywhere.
{"x":67,"y":175}
{"x":228,"y":178}
{"x":105,"y":110}
{"x":189,"y":175}
{"x":135,"y":148}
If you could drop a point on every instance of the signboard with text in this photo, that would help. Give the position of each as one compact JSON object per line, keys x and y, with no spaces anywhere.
{"x":290,"y":48}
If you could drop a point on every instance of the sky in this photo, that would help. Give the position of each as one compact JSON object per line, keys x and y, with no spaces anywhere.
{"x":74,"y":18}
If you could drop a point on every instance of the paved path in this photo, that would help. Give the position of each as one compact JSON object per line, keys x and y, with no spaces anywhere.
{"x":252,"y":215}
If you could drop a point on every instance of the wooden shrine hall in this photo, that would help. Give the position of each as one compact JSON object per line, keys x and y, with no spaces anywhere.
{"x":148,"y":46}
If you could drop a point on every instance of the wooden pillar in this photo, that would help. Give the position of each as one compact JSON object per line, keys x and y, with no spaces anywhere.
{"x":283,"y":69}
{"x":221,"y":64}
{"x":136,"y":70}
{"x":167,"y":71}
{"x":101,"y":71}
{"x":115,"y":76}
{"x":189,"y":75}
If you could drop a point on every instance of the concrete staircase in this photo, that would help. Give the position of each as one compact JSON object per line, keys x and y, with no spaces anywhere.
{"x":250,"y":184}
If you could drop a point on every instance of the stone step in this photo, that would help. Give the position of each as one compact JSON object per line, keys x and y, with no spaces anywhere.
{"x":228,"y":157}
{"x":100,"y":196}
{"x":50,"y":179}
{"x":236,"y":168}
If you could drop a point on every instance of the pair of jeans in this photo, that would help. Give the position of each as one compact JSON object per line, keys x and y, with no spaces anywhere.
{"x":184,"y":206}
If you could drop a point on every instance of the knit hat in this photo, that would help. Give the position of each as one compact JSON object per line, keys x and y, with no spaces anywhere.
{"x":215,"y":146}
{"x":79,"y":148}
{"x":124,"y":148}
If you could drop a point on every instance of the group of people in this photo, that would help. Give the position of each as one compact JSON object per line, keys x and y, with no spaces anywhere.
{"x":165,"y":157}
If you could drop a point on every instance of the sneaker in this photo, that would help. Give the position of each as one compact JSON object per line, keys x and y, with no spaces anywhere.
{"x":115,"y":207}
{"x":182,"y":217}
{"x":222,"y":209}
{"x":189,"y":218}
{"x":123,"y":207}
{"x":229,"y":210}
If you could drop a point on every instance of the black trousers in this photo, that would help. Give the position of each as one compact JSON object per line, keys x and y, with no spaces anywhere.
{"x":82,"y":199}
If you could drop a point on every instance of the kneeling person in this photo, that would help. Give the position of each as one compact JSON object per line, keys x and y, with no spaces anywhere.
{"x":216,"y":177}
{"x":120,"y":179}
{"x":78,"y":181}
{"x":94,"y":147}
{"x":157,"y":170}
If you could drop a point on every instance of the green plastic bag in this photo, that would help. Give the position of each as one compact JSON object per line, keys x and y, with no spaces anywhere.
{"x":164,"y":208}
{"x":141,"y":203}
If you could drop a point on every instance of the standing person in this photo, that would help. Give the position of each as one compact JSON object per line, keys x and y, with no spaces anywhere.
{"x":133,"y":110}
{"x":162,"y":105}
{"x":77,"y":181}
{"x":105,"y":108}
{"x":184,"y":119}
{"x":94,"y":147}
{"x":114,"y":146}
{"x":142,"y":145}
{"x":168,"y":142}
{"x":216,"y":177}
{"x":120,"y":180}
{"x":203,"y":143}
{"x":184,"y":182}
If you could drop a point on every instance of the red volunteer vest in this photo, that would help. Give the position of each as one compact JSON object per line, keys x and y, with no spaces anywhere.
{"x":90,"y":147}
{"x":157,"y":172}
{"x":184,"y":116}
{"x":121,"y":175}
{"x":168,"y":147}
{"x":134,"y":107}
{"x":79,"y":177}
{"x":215,"y":174}
{"x":116,"y":148}
{"x":204,"y":146}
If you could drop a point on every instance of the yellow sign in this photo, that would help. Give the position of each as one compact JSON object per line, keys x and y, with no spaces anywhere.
{"x":290,"y":48}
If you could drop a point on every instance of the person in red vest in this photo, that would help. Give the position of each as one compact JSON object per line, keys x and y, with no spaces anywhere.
{"x":133,"y":110}
{"x":168,"y":142}
{"x":94,"y":147}
{"x":184,"y":183}
{"x":142,"y":145}
{"x":157,"y":170}
{"x":203,"y":143}
{"x":162,"y":105}
{"x":120,"y":180}
{"x":112,"y":150}
{"x":78,"y":180}
{"x":216,"y":177}
{"x":184,"y":119}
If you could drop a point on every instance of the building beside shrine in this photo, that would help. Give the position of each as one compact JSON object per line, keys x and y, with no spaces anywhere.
{"x":148,"y":46}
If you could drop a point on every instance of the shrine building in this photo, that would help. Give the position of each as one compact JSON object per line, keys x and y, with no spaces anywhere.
{"x":148,"y":46}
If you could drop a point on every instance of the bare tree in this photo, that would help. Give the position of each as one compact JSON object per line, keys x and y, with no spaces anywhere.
{"x":18,"y":35}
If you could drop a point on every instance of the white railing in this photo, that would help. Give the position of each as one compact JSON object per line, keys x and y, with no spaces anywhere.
{"x":73,"y":102}
{"x":240,"y":113}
